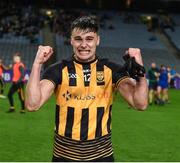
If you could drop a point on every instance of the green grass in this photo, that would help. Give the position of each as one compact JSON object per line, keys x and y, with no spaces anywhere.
{"x":153,"y":135}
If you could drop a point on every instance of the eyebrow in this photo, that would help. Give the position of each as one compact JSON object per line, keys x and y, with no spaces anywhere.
{"x":90,"y":37}
{"x":77,"y":37}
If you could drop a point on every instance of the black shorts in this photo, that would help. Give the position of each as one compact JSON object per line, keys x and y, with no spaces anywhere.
{"x":17,"y":86}
{"x":105,"y":159}
{"x":153,"y":85}
{"x":1,"y":81}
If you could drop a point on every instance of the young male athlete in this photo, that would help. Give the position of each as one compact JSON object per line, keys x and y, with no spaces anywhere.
{"x":17,"y":83}
{"x":84,"y":86}
{"x":153,"y":74}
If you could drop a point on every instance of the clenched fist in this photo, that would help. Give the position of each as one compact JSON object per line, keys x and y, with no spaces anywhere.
{"x":136,"y":53}
{"x":43,"y":54}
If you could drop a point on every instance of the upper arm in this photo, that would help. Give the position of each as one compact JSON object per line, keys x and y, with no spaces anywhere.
{"x":53,"y":74}
{"x":118,"y":73}
{"x":126,"y":89}
{"x":47,"y":88}
{"x":50,"y":80}
{"x":123,"y":82}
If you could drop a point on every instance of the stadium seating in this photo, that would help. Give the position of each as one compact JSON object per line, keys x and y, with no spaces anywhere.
{"x":124,"y":35}
{"x":114,"y":42}
{"x":129,"y":35}
{"x":174,"y":36}
{"x":28,"y":52}
{"x":176,"y":19}
{"x":10,"y":44}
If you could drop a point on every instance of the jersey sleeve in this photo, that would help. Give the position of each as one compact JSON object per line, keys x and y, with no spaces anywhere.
{"x":118,"y":73}
{"x":53,"y":74}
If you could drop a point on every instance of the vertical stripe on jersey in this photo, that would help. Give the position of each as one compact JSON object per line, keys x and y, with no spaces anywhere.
{"x":86,"y":74}
{"x":109,"y":120}
{"x":69,"y":122}
{"x":72,"y":74}
{"x":100,"y":113}
{"x":84,"y":124}
{"x":57,"y":118}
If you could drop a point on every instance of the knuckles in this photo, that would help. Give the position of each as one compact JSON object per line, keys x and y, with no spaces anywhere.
{"x":134,"y":51}
{"x":45,"y":49}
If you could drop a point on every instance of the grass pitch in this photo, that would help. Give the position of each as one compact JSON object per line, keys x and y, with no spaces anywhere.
{"x":152,"y":135}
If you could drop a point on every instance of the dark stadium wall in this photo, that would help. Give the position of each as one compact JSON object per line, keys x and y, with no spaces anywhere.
{"x":154,"y":5}
{"x":136,"y":5}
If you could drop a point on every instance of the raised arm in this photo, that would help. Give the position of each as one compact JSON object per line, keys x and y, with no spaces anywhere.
{"x":6,"y":67}
{"x":135,"y":93}
{"x":38,"y":92}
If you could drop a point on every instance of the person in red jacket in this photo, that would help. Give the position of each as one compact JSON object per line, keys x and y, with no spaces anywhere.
{"x":17,"y":83}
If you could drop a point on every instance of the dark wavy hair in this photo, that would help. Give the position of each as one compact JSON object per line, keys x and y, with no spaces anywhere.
{"x":86,"y":24}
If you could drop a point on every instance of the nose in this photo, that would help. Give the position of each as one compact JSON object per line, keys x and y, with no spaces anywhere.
{"x":83,"y":44}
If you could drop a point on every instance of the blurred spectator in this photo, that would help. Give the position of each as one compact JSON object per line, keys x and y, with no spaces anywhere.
{"x":167,"y":22}
{"x":173,"y":74}
{"x":63,"y":19}
{"x":20,"y":21}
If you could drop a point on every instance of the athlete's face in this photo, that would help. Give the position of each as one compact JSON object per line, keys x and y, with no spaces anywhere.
{"x":163,"y":67}
{"x":16,"y":59}
{"x":168,"y":68}
{"x":153,"y":65}
{"x":84,"y":44}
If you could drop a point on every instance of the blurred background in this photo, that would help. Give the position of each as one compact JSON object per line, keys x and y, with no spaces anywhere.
{"x":152,"y":25}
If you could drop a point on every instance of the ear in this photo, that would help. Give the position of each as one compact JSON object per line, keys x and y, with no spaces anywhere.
{"x":71,"y":41}
{"x":98,"y":40}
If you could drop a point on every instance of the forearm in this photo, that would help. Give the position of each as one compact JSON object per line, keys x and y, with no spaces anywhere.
{"x":6,"y":67}
{"x":140,"y":96}
{"x":33,"y":89}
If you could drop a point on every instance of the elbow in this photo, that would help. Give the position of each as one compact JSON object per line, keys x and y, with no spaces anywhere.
{"x":142,"y":106}
{"x":31,"y":108}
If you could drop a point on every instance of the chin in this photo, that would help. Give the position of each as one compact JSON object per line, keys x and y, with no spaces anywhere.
{"x":84,"y":58}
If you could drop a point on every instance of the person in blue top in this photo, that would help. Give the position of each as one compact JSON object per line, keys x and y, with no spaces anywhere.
{"x":174,"y":74}
{"x":163,"y":85}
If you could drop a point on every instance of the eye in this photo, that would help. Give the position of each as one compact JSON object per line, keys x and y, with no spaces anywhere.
{"x":89,"y":38}
{"x":78,"y":39}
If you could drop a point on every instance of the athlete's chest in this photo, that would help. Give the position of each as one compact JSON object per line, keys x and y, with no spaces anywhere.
{"x":85,"y":83}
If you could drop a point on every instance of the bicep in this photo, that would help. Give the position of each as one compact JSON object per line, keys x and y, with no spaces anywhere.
{"x":126,"y":89}
{"x":47,"y":89}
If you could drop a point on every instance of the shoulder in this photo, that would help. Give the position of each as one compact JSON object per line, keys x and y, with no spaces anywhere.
{"x":55,"y":69}
{"x":21,"y":64}
{"x":57,"y":66}
{"x":110,"y":64}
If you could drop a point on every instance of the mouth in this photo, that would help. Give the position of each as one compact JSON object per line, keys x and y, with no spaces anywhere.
{"x":84,"y":52}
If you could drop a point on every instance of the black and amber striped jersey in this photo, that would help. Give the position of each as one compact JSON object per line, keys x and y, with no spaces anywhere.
{"x":84,"y":96}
